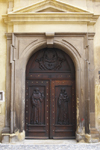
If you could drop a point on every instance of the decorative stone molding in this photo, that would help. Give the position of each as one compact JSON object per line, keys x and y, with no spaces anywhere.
{"x":50,"y":11}
{"x":58,"y":5}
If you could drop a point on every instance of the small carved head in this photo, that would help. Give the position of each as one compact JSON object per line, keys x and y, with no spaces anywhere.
{"x":62,"y":90}
{"x":37,"y":90}
{"x":50,"y":55}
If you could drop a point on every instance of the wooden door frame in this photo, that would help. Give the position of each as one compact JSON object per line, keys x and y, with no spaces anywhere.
{"x":20,"y":46}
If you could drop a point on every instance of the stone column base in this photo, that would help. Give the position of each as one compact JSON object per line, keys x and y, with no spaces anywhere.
{"x":13,"y":138}
{"x":86,"y":138}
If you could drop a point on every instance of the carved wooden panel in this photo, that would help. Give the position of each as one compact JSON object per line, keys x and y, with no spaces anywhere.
{"x":63,"y":111}
{"x":50,"y":61}
{"x":36,"y":118}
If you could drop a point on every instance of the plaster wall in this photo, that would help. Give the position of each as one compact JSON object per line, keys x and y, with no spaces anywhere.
{"x":2,"y":61}
{"x":21,"y":3}
{"x":96,"y":7}
{"x":78,"y":3}
{"x":89,"y":4}
{"x":97,"y":68}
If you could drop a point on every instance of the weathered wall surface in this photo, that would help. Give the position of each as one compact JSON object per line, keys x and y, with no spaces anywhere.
{"x":97,"y":68}
{"x":90,"y":5}
{"x":29,"y":27}
{"x":22,"y":3}
{"x":3,"y":9}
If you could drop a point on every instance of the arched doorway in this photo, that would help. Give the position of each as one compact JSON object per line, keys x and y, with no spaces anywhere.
{"x":50,"y":106}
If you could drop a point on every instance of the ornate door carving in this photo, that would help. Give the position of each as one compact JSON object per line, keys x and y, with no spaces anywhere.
{"x":50,"y":108}
{"x":62,"y":102}
{"x":36,"y":116}
{"x":63,"y":111}
{"x":37,"y":98}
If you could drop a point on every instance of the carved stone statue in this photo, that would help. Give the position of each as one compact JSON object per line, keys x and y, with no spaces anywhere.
{"x":37,"y":98}
{"x":63,"y":107}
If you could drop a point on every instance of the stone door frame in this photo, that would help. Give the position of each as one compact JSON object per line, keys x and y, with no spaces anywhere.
{"x":20,"y":47}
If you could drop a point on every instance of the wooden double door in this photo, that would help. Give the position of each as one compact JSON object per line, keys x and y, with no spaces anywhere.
{"x":50,"y":107}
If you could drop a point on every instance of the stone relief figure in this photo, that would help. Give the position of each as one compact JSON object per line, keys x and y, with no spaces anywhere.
{"x":63,"y":107}
{"x":37,"y":98}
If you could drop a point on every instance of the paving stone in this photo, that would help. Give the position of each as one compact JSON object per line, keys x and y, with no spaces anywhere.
{"x":51,"y":147}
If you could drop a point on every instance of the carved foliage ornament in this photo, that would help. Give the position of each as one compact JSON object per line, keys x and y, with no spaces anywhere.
{"x":50,"y":60}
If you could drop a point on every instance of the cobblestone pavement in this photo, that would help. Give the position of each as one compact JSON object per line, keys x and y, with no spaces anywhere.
{"x":79,"y":146}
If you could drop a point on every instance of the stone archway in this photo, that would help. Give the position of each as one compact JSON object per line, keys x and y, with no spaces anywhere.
{"x":23,"y":46}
